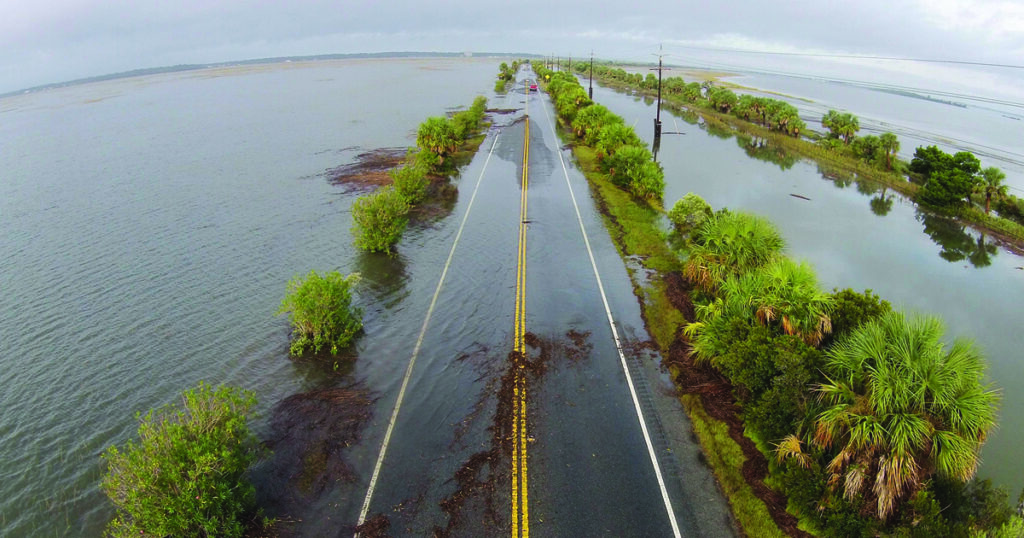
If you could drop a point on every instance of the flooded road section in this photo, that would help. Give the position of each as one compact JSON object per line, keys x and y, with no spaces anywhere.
{"x":152,"y":223}
{"x":469,"y":454}
{"x":858,"y":235}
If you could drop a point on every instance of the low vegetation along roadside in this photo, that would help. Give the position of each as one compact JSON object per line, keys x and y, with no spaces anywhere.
{"x":506,"y":74}
{"x":958,"y":186}
{"x":380,"y":218}
{"x":804,"y":400}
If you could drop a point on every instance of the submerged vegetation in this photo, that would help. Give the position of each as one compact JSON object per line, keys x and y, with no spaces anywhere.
{"x":506,"y":74}
{"x":380,"y":218}
{"x":322,"y":315}
{"x":957,"y":187}
{"x":866,"y":419}
{"x":187,"y":474}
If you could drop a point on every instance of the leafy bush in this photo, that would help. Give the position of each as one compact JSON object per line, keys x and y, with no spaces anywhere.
{"x":833,"y":515}
{"x":950,"y":179}
{"x":468,"y":121}
{"x":613,"y":136}
{"x":648,"y":182}
{"x":379,"y":219}
{"x":589,"y":120}
{"x":689,"y":212}
{"x":321,"y":312}
{"x":410,"y":180}
{"x":853,"y":309}
{"x":633,"y":168}
{"x":186,"y":474}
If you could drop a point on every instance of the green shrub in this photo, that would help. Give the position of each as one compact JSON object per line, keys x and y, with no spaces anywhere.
{"x":321,"y":312}
{"x":379,"y":219}
{"x":468,"y":121}
{"x":633,"y":168}
{"x":613,"y":136}
{"x":186,"y":474}
{"x":833,"y":515}
{"x":410,"y":180}
{"x":853,"y":309}
{"x":689,"y":212}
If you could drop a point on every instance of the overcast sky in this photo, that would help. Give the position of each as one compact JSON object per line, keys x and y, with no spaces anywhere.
{"x":44,"y":41}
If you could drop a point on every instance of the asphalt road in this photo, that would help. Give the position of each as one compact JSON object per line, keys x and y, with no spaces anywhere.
{"x":583,"y":436}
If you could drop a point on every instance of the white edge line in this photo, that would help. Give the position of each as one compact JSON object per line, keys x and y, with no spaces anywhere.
{"x":419,"y":342}
{"x":618,"y":345}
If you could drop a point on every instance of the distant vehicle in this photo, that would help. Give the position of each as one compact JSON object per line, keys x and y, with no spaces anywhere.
{"x":533,"y":87}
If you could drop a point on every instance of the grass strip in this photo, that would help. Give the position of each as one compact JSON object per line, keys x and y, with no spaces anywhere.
{"x":635,"y":229}
{"x":726,"y":460}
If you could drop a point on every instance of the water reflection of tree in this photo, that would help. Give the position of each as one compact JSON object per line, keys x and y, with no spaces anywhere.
{"x":383,"y":283}
{"x":839,"y":178}
{"x":957,"y":244}
{"x":688,"y":116}
{"x":759,"y":148}
{"x":717,"y":131}
{"x":881,"y":205}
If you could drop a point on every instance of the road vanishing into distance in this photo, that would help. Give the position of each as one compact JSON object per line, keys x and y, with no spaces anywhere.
{"x":530,"y":401}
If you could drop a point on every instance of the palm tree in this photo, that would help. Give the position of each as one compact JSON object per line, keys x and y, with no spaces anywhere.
{"x":991,"y":185}
{"x":438,"y":136}
{"x":901,"y":407}
{"x":730,"y":243}
{"x":783,"y":294}
{"x":891,"y":145}
{"x":842,"y":125}
{"x":788,"y":292}
{"x":589,"y":120}
{"x":849,"y":126}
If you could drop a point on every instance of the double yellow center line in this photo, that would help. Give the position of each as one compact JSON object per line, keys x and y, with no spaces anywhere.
{"x":520,"y":504}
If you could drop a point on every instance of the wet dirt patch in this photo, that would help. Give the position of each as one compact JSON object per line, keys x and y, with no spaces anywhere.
{"x":488,"y":471}
{"x":678,"y":290}
{"x":310,"y":433}
{"x":573,"y":346}
{"x":375,"y":526}
{"x":487,"y":372}
{"x":367,"y":171}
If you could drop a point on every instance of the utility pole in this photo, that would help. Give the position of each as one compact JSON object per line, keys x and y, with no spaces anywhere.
{"x":657,"y":118}
{"x":570,"y":64}
{"x":591,"y":93}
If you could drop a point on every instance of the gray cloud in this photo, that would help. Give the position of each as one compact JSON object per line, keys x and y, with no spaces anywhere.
{"x":43,"y":42}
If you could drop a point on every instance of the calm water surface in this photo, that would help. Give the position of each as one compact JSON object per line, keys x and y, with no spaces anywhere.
{"x":149,"y":227}
{"x":861,"y":237}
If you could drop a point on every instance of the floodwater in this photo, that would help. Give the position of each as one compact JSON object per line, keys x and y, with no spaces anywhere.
{"x":862,"y":237}
{"x":990,"y":128}
{"x":149,"y":227}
